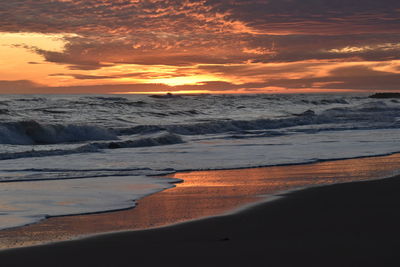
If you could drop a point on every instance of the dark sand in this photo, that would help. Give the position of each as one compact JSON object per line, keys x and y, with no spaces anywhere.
{"x":352,"y":224}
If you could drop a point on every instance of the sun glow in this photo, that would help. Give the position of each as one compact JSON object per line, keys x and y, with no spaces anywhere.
{"x":179,"y":92}
{"x":185,"y":80}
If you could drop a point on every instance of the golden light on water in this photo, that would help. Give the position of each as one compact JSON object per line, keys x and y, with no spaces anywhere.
{"x":203,"y":193}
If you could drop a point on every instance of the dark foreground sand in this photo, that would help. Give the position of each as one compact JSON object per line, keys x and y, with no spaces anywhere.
{"x":353,"y":224}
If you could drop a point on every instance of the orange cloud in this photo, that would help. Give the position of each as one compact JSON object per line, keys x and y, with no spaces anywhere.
{"x":192,"y":45}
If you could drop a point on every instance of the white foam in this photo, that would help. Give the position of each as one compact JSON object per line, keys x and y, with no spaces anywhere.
{"x":27,"y":202}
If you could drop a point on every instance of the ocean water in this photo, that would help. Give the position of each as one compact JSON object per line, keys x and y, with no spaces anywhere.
{"x":62,"y":155}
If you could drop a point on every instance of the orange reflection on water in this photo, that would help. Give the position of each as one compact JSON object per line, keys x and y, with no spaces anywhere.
{"x":203,"y":193}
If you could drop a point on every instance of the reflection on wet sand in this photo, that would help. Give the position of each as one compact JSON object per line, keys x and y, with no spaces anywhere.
{"x":203,"y":193}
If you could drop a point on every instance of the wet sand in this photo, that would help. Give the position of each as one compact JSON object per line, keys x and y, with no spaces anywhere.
{"x":351,"y":224}
{"x":202,"y":194}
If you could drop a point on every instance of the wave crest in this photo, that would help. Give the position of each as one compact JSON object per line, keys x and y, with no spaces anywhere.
{"x":164,"y":139}
{"x":32,"y":132}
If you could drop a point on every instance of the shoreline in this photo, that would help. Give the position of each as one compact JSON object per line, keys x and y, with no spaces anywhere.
{"x":215,"y":193}
{"x":347,"y":224}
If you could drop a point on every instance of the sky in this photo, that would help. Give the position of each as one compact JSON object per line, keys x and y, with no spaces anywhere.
{"x":199,"y":46}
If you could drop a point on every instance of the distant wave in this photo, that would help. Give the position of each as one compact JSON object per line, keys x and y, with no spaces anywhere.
{"x":221,"y":126}
{"x":324,"y":101}
{"x":32,"y":132}
{"x":374,"y":112}
{"x":46,"y":153}
{"x":164,"y":139}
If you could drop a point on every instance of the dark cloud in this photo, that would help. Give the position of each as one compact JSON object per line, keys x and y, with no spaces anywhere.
{"x":76,"y":59}
{"x":350,"y":77}
{"x":137,"y":75}
{"x":314,"y":16}
{"x":92,"y":53}
{"x":353,"y":77}
{"x":200,"y":16}
{"x":17,"y":87}
{"x":207,"y":32}
{"x":108,"y":16}
{"x":83,"y":76}
{"x":261,"y":70}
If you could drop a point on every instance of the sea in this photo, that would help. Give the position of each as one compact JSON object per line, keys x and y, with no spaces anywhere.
{"x":79,"y":154}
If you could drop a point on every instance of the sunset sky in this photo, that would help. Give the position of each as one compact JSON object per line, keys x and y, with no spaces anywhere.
{"x":224,"y":46}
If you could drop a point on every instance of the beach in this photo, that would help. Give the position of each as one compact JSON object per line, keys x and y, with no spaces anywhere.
{"x":353,"y":224}
{"x":348,"y":224}
{"x":199,"y":133}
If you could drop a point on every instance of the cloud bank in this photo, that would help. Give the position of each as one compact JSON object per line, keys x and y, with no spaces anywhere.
{"x":244,"y":43}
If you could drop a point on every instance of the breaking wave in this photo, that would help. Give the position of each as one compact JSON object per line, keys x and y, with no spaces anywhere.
{"x":164,"y":139}
{"x":32,"y":132}
{"x":373,"y":113}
